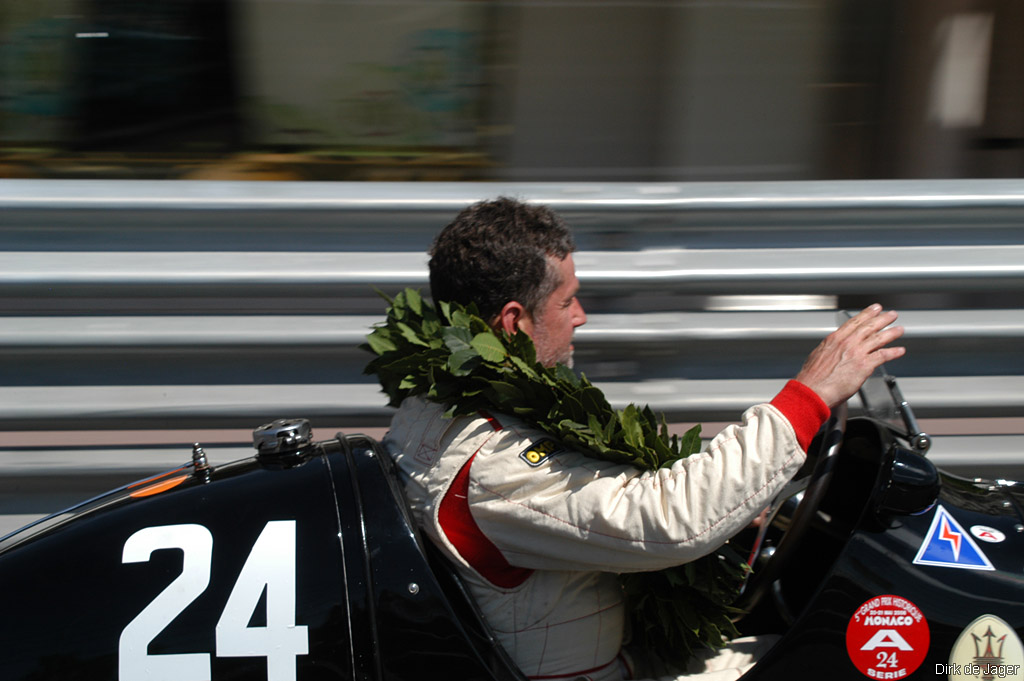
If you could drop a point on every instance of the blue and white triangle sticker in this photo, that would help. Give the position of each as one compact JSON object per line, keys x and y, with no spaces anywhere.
{"x":948,"y":545}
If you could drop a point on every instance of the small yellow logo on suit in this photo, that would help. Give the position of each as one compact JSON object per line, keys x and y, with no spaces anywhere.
{"x":539,"y":451}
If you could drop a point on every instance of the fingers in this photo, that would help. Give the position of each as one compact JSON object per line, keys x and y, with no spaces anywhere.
{"x":872,"y":332}
{"x":889,"y":354}
{"x":887,"y":335}
{"x":843,"y":361}
{"x":881,"y":333}
{"x":870,"y":329}
{"x":869,"y":320}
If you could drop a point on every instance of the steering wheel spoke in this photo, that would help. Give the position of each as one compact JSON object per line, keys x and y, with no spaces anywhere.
{"x":814,"y":487}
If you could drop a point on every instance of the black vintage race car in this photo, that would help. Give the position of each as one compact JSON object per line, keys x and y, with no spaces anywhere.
{"x":302,"y":562}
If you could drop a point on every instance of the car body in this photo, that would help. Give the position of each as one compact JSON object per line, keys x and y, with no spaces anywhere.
{"x":303,"y":562}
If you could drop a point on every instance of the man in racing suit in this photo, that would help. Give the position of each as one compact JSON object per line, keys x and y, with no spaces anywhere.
{"x":538,"y":531}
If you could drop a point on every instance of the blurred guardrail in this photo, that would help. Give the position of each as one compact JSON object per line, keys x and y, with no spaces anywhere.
{"x":137,"y":305}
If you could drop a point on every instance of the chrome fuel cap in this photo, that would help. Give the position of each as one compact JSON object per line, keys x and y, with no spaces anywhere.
{"x":282,"y":437}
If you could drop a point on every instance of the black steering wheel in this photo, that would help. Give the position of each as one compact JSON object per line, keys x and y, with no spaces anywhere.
{"x":823,"y":451}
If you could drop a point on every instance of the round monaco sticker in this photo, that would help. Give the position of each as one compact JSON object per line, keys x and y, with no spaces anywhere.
{"x":887,"y":638}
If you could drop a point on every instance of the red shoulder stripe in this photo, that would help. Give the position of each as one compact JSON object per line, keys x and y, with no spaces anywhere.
{"x":462,"y":531}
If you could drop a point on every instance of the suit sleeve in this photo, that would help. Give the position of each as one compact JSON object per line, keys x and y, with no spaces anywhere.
{"x":564,"y":510}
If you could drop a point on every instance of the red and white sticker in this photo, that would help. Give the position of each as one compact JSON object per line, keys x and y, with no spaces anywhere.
{"x":989,"y":534}
{"x":887,"y":638}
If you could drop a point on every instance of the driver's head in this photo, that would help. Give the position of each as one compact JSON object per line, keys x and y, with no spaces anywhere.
{"x":514,"y":261}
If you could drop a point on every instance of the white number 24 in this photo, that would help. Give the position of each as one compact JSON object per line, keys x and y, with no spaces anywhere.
{"x":270,"y":566}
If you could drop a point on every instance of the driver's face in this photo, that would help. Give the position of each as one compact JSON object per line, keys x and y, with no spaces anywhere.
{"x":552,"y":325}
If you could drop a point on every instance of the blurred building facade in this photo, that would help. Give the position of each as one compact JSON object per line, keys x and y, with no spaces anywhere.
{"x":568,"y":90}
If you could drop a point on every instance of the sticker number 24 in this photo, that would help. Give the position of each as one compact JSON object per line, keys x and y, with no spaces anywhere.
{"x":270,"y":566}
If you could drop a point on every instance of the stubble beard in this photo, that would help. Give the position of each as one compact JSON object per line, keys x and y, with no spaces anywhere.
{"x":551,"y":357}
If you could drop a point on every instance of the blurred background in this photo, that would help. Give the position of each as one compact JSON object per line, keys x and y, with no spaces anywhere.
{"x":735,"y":172}
{"x":539,"y":90}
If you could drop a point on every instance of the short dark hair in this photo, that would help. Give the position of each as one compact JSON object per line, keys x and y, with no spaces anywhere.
{"x":496,"y":251}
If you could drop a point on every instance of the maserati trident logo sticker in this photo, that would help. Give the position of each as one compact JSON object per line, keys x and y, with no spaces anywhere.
{"x":987,"y":649}
{"x":887,"y":638}
{"x":947,"y":544}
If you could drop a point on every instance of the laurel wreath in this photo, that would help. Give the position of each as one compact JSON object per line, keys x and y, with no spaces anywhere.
{"x":450,"y":355}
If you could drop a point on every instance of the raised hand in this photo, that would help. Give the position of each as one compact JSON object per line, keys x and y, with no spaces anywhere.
{"x":842,"y":362}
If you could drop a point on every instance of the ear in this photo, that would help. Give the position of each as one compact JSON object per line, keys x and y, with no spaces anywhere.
{"x":511,"y":318}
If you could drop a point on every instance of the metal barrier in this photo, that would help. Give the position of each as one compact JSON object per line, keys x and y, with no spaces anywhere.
{"x":186,"y":305}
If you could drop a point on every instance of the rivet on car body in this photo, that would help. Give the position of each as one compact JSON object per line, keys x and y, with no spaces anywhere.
{"x":414,"y":588}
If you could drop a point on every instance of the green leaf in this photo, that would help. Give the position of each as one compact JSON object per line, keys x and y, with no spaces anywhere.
{"x":380,"y":342}
{"x":564,"y":373}
{"x":593,"y":400}
{"x":462,"y":362}
{"x":523,"y":366}
{"x":460,"y":318}
{"x":571,"y":408}
{"x":489,"y":347}
{"x":457,"y":339}
{"x":414,"y":301}
{"x":410,"y":335}
{"x":690,"y":442}
{"x":522,"y":346}
{"x":506,"y":392}
{"x":632,"y":432}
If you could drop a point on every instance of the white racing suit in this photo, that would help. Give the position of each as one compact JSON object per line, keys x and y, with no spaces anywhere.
{"x":538,"y":532}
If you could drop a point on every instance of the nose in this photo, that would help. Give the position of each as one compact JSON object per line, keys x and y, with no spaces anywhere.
{"x":579,"y":317}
